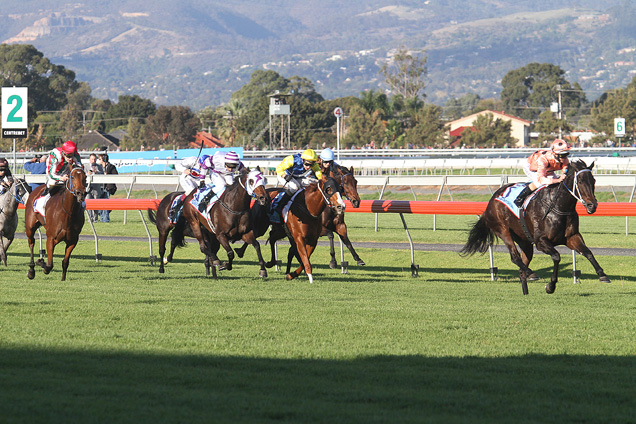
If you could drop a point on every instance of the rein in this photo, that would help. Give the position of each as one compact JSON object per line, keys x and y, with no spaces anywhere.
{"x":575,"y":192}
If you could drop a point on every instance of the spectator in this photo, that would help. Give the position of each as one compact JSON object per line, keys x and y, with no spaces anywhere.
{"x":95,"y":190}
{"x":110,"y":188}
{"x":36,"y":165}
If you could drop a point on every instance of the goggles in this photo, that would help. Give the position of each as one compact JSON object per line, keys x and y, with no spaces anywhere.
{"x":307,"y":163}
{"x":231,"y":165}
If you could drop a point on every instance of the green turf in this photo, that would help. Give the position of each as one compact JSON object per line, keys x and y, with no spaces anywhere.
{"x":118,"y":342}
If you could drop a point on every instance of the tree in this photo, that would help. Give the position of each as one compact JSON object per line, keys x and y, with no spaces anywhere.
{"x":176,"y":125}
{"x":364,"y":128}
{"x":614,"y":104}
{"x":128,"y":107}
{"x":428,"y":129}
{"x":529,"y":90}
{"x":548,"y":125}
{"x":488,"y":132}
{"x":405,"y":73}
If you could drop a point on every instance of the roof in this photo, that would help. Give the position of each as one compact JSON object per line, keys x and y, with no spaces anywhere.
{"x":457,"y":132}
{"x":496,"y":114}
{"x":207,"y":139}
{"x":95,"y":140}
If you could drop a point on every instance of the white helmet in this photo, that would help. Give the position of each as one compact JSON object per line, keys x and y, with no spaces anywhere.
{"x":326,"y":155}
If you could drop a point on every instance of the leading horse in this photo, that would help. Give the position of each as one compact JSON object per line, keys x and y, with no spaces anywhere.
{"x":550,"y":220}
{"x":64,"y":219}
{"x":16,"y":192}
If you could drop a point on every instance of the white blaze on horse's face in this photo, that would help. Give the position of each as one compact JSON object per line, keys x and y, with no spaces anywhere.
{"x":254,"y":179}
{"x":339,"y":201}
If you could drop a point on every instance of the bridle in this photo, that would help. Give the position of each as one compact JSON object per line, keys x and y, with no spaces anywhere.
{"x":576,"y":191}
{"x":70,"y":187}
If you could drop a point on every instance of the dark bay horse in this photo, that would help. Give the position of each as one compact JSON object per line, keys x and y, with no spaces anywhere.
{"x":16,"y":192}
{"x":229,"y":219}
{"x":64,"y":219}
{"x":332,"y":222}
{"x":551,"y":220}
{"x":304,"y":222}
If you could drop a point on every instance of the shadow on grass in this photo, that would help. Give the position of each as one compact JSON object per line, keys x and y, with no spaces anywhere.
{"x":41,"y":386}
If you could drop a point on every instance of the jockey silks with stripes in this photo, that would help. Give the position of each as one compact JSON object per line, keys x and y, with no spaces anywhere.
{"x":541,"y":165}
{"x":293,"y":169}
{"x":193,"y":172}
{"x":6,"y":179}
{"x":58,"y":159}
{"x":226,"y":166}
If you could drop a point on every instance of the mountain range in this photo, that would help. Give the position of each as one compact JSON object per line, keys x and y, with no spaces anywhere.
{"x":198,"y":52}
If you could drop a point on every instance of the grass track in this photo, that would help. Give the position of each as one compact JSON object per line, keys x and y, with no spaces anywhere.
{"x":118,"y":342}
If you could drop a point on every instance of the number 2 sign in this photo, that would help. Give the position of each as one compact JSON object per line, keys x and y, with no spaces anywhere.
{"x":14,"y":112}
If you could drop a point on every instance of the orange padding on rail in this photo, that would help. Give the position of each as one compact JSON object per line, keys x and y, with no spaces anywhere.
{"x":380,"y":206}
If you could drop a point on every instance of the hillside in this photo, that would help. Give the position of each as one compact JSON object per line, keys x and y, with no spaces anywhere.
{"x":198,"y":52}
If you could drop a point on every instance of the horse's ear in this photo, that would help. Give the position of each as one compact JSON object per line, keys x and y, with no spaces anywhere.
{"x":351,"y":169}
{"x":258,"y":168}
{"x":591,"y":166}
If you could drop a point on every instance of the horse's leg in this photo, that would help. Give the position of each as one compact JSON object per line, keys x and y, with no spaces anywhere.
{"x":30,"y":233}
{"x":276,"y":233}
{"x":341,"y":230}
{"x":240,"y":251}
{"x":222,"y":238}
{"x":333,"y":264}
{"x":50,"y":247}
{"x":3,"y":250}
{"x":547,"y":247}
{"x":162,"y":250}
{"x":527,"y":252}
{"x":291,"y":253}
{"x":250,"y":238}
{"x":524,"y":271}
{"x":576,"y":242}
{"x":304,"y":252}
{"x":67,"y":256}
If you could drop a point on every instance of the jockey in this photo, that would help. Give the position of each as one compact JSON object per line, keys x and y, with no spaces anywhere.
{"x":58,"y":159}
{"x":193,"y":172}
{"x":541,"y":165}
{"x":226,"y":165}
{"x":5,"y":176}
{"x":326,"y":161}
{"x":292,"y":170}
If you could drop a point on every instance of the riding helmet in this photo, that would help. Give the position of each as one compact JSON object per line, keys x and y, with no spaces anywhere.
{"x":309,"y":155}
{"x":560,"y":147}
{"x":231,"y":158}
{"x":4,"y":164}
{"x":327,"y":155}
{"x":69,"y":147}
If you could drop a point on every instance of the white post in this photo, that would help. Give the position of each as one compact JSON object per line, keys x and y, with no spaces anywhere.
{"x":338,"y":137}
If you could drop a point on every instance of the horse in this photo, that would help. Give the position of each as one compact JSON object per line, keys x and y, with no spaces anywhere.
{"x":304,"y":222}
{"x":550,"y":220}
{"x":229,"y":219}
{"x":63,"y":222}
{"x":332,"y":222}
{"x":16,"y":192}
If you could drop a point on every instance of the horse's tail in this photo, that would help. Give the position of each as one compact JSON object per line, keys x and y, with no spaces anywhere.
{"x":152,"y":216}
{"x":480,"y":239}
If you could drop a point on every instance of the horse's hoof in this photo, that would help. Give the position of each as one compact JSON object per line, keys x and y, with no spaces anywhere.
{"x":291,"y":276}
{"x":533,"y":277}
{"x":161,"y":271}
{"x":262,"y":273}
{"x":604,"y":279}
{"x":361,"y":262}
{"x":46,"y":270}
{"x":333,"y":264}
{"x":270,"y":264}
{"x":40,"y":262}
{"x":549,"y":288}
{"x":31,"y":274}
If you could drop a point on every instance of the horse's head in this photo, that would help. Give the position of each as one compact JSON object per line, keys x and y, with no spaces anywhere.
{"x":22,"y":190}
{"x":349,"y":185}
{"x":76,"y":183}
{"x":331,"y":190}
{"x":255,"y":186}
{"x":580,"y":178}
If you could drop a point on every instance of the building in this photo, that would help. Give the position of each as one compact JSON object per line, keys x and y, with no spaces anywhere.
{"x":519,"y":128}
{"x":98,"y":141}
{"x":208,"y":140}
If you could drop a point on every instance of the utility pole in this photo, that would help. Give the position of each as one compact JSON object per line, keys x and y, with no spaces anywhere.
{"x":558,"y":87}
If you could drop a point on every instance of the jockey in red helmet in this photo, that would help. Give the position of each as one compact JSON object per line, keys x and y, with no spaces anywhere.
{"x":56,"y":161}
{"x":541,"y":165}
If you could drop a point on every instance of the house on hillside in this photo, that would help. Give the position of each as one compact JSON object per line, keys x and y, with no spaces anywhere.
{"x":207,"y":139}
{"x":519,"y":128}
{"x":98,"y":141}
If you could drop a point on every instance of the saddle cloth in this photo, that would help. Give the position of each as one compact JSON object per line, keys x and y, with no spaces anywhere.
{"x":39,"y":206}
{"x":200,"y":194}
{"x":511,"y":193}
{"x":273,"y":214}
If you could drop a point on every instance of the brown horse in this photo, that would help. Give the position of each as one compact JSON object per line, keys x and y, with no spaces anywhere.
{"x":304,"y":222}
{"x":332,"y":222}
{"x":229,"y":219}
{"x":550,"y":220}
{"x":64,"y":220}
{"x":16,"y":192}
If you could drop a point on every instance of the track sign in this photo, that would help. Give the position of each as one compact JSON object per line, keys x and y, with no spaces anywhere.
{"x":338,"y":112}
{"x":619,"y":127}
{"x":15,"y":119}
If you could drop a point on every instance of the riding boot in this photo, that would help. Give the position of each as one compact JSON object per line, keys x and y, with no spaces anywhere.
{"x":523,"y":195}
{"x":46,"y":191}
{"x":281,"y":204}
{"x":204,"y":202}
{"x":175,"y":210}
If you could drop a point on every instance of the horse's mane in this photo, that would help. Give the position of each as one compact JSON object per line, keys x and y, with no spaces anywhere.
{"x":574,"y":167}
